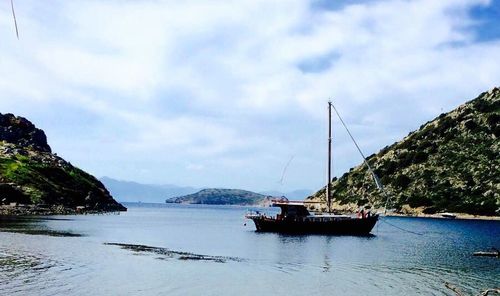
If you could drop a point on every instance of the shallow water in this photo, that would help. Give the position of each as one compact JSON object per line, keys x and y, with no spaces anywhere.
{"x":207,"y":250}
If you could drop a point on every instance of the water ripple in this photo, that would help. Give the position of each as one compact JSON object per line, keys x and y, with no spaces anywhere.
{"x":21,"y":272}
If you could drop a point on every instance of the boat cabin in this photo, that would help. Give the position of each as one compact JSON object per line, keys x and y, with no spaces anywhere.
{"x":291,"y":210}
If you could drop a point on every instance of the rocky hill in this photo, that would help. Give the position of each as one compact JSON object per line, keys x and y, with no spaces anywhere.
{"x":451,"y":163}
{"x":42,"y":181}
{"x":221,"y":197}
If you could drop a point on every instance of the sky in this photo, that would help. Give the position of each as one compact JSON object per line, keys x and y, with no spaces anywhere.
{"x":227,"y":93}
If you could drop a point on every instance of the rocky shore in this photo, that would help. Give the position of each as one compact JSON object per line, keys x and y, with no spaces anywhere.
{"x":459,"y":216}
{"x":41,"y":210}
{"x":404,"y":211}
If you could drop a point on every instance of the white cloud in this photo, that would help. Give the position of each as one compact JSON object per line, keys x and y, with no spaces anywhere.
{"x":219,"y":84}
{"x":195,"y":167}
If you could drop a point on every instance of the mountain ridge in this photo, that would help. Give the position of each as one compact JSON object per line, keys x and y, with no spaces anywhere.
{"x":131,"y":191}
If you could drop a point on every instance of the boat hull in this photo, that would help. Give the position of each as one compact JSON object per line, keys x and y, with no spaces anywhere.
{"x":351,"y":226}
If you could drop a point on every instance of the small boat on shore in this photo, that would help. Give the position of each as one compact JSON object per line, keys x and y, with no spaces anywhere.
{"x":296,"y":218}
{"x":448,"y":215}
{"x":494,"y":253}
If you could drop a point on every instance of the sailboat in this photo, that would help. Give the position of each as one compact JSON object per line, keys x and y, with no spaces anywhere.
{"x":296,"y":218}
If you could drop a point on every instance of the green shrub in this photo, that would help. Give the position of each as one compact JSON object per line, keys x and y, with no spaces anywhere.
{"x":402,"y":181}
{"x":493,"y":119}
{"x":483,"y":106}
{"x":388,"y":168}
{"x":419,"y":157}
{"x":406,"y":159}
{"x":449,"y":136}
{"x":444,"y":124}
{"x":471,"y":125}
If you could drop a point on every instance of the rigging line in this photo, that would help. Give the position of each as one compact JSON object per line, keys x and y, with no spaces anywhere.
{"x":284,"y":169}
{"x":14,"y":15}
{"x":387,"y":198}
{"x":354,"y":141}
{"x":377,"y":181}
{"x":400,"y":228}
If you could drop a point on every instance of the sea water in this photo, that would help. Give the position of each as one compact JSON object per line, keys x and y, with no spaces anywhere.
{"x":212,"y":250}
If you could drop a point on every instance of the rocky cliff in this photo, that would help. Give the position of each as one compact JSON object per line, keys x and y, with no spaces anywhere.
{"x":21,"y":132}
{"x":30,"y":174}
{"x":451,"y":163}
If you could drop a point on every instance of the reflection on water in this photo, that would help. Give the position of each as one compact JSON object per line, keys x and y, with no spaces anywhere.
{"x":72,"y":257}
{"x":31,"y":225}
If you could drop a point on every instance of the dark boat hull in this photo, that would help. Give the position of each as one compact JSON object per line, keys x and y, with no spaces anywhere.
{"x":351,"y":226}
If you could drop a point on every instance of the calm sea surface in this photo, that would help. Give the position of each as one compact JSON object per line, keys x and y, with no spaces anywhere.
{"x":207,"y":250}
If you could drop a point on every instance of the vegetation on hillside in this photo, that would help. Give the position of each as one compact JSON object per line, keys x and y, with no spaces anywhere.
{"x":48,"y":180}
{"x":451,"y":163}
{"x":216,"y":196}
{"x":31,"y":174}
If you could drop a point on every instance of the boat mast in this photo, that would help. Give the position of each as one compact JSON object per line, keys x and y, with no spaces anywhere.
{"x":329,"y":155}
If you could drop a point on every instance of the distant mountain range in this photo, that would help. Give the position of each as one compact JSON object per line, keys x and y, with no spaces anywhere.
{"x":128,"y":191}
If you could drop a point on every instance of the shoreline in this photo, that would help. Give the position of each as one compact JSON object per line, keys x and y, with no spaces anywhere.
{"x":459,"y":216}
{"x":33,"y":210}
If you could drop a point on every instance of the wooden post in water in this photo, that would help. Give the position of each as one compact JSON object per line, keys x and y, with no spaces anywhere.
{"x":329,"y":155}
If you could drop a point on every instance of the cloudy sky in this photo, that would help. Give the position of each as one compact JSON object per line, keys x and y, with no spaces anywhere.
{"x":225,"y":93}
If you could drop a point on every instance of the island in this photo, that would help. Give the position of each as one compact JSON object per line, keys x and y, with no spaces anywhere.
{"x":220,"y":196}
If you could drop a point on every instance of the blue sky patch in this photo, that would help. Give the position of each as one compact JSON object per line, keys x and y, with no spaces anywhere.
{"x":336,"y":5}
{"x":318,"y":64}
{"x":488,"y":21}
